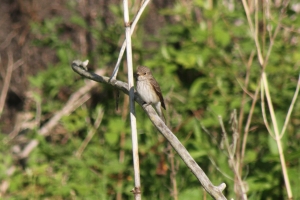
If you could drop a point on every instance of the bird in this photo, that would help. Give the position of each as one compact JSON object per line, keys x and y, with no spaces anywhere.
{"x":148,"y":89}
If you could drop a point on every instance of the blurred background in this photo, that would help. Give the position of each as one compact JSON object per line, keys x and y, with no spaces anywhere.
{"x":64,"y":137}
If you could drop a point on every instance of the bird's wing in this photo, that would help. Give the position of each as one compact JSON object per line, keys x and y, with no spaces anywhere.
{"x":158,"y":91}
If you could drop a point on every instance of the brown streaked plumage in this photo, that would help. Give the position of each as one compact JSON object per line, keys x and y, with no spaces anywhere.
{"x":149,"y":90}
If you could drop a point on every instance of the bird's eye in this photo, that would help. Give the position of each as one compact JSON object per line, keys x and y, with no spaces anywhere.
{"x":145,"y":73}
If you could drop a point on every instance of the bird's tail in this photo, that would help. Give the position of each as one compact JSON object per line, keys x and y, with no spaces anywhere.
{"x":160,"y":112}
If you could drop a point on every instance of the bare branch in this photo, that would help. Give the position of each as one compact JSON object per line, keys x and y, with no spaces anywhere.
{"x":214,"y":191}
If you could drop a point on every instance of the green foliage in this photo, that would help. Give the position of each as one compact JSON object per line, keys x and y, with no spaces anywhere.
{"x":201,"y":66}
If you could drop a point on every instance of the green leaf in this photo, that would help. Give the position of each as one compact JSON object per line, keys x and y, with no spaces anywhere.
{"x":196,"y":87}
{"x":221,"y":36}
{"x":188,"y":60}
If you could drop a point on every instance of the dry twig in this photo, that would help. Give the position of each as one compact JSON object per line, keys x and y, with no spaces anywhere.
{"x":10,"y":67}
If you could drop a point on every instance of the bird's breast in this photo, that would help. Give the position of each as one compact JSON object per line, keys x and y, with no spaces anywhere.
{"x":146,"y":92}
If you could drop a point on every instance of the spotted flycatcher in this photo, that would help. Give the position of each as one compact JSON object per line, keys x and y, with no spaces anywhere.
{"x":149,"y":90}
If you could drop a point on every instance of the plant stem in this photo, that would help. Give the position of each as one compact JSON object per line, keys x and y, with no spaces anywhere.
{"x":277,"y":136}
{"x":136,"y":191}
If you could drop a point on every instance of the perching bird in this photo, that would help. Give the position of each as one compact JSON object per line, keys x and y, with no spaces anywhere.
{"x":149,"y":90}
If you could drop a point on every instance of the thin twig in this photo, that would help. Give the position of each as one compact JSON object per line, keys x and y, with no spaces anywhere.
{"x":263,"y":110}
{"x":171,"y":157}
{"x":233,"y":163}
{"x":245,"y":92}
{"x":217,"y":168}
{"x":235,"y":134}
{"x":290,"y":108}
{"x":248,"y":123}
{"x":241,"y":113}
{"x":255,"y":36}
{"x":135,"y":20}
{"x":272,"y":37}
{"x":10,"y":68}
{"x":91,"y":133}
{"x":6,"y":81}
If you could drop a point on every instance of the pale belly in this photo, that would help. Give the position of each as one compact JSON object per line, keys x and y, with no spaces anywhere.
{"x":147,"y":92}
